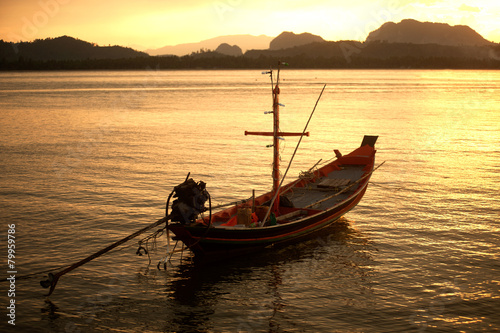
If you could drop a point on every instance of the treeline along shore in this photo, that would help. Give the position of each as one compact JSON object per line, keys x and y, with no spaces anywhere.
{"x":212,"y":60}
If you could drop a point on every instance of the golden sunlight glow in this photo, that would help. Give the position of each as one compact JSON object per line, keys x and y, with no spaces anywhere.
{"x":153,"y":23}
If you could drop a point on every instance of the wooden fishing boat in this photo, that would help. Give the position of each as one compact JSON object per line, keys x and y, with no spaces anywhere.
{"x":315,"y":200}
{"x":318,"y":198}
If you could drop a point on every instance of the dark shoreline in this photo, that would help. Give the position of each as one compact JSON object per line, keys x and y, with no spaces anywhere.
{"x":220,"y":62}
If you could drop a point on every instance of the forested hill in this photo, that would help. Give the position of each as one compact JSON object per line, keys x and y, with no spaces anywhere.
{"x":63,"y":48}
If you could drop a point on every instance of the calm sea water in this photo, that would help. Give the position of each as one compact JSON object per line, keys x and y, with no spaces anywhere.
{"x":86,"y":158}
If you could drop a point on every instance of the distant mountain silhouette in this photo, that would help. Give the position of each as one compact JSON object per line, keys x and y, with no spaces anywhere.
{"x":415,"y":32}
{"x":227,"y":49}
{"x":64,"y":48}
{"x":245,"y":42}
{"x":289,"y":39}
{"x":408,"y":44}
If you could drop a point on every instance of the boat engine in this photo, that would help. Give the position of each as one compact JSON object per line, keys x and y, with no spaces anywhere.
{"x":190,"y":202}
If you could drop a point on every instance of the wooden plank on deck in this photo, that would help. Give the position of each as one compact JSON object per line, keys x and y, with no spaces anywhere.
{"x":333,"y":183}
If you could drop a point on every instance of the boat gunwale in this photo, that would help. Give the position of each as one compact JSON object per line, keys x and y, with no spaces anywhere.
{"x":199,"y":243}
{"x":298,"y":221}
{"x":289,"y":224}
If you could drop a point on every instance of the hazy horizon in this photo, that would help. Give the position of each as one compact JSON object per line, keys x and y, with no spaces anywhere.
{"x":153,"y":24}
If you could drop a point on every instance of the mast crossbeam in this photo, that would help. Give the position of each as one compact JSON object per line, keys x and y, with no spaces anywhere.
{"x":279,"y":133}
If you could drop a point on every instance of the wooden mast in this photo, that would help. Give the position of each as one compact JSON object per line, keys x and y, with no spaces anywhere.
{"x":276,"y":134}
{"x":276,"y":128}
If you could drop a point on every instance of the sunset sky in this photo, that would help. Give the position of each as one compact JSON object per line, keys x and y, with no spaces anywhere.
{"x":155,"y":23}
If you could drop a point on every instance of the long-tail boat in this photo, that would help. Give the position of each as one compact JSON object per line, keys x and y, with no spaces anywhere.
{"x":286,"y":214}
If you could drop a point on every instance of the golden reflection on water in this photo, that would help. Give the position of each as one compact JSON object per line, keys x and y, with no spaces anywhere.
{"x":92,"y":156}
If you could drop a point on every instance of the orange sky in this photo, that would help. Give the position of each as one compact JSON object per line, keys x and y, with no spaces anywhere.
{"x":155,"y":23}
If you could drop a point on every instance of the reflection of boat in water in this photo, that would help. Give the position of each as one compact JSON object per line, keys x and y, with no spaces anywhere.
{"x":284,"y":215}
{"x":334,"y":266}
